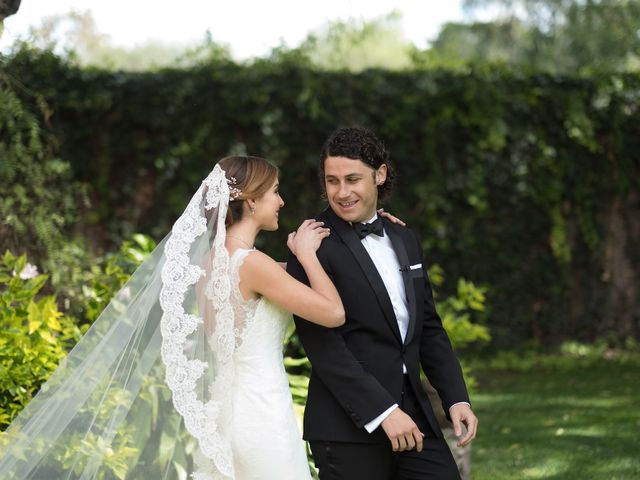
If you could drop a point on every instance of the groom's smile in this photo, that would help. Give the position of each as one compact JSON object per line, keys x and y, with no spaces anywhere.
{"x":351,"y":187}
{"x":347,"y":205}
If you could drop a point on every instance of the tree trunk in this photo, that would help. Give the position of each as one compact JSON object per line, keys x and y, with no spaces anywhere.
{"x":621,"y":265}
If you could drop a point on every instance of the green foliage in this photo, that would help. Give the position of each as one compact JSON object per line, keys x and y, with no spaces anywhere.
{"x":513,"y":180}
{"x":457,"y":311}
{"x":358,"y":45}
{"x":459,"y":45}
{"x":549,"y":35}
{"x":40,"y":201}
{"x":76,"y":36}
{"x":107,"y":275}
{"x":34,"y":335}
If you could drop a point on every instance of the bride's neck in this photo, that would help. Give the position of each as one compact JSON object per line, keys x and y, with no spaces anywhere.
{"x":242,"y":233}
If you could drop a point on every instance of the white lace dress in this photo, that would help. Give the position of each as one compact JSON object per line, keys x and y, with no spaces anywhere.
{"x":266,"y":442}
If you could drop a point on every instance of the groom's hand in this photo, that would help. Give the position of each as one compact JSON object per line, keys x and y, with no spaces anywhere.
{"x":402,"y":431}
{"x":461,"y":413}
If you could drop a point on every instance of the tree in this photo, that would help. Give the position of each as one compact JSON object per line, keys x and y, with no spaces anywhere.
{"x":355,"y":45}
{"x":558,"y":36}
{"x":75,"y":36}
{"x":461,"y":44}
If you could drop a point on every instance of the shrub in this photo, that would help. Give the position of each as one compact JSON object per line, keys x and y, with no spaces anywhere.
{"x":34,"y":335}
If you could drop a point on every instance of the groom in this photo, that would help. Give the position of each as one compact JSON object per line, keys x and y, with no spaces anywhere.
{"x":367,"y":416}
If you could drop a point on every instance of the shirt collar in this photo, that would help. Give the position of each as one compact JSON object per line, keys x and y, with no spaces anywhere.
{"x":372,"y":219}
{"x":375,"y":215}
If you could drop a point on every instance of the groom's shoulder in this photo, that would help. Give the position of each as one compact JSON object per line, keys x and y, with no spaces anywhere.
{"x":402,"y":230}
{"x":325,"y":217}
{"x":410,"y":237}
{"x":329,"y":244}
{"x":322,"y":216}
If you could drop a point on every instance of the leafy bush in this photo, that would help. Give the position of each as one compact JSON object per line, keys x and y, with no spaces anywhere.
{"x":94,"y":288}
{"x":34,"y":335}
{"x":458,"y":311}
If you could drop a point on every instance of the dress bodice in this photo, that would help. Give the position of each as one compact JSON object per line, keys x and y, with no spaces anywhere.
{"x":261,"y":325}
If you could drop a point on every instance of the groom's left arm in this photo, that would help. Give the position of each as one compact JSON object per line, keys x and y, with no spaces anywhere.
{"x":436,"y":354}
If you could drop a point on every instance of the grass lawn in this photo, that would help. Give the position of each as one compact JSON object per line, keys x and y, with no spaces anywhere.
{"x":572,"y":418}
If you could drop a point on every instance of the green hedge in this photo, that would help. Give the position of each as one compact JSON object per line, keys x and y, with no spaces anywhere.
{"x":524,"y":182}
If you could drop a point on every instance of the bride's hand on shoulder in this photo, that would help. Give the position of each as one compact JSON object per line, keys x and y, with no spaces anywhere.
{"x":307,"y":239}
{"x":391,"y":218}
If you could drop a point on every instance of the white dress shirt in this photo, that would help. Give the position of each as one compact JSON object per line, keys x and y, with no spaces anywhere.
{"x":384,"y":257}
{"x":386,"y":262}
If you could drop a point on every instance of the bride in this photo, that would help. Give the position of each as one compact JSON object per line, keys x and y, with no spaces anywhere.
{"x":182,"y":374}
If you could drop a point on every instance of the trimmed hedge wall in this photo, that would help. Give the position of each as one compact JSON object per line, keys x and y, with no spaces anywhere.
{"x":527,"y":183}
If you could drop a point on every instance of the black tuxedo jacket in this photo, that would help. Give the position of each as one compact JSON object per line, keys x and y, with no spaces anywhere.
{"x":357,"y":368}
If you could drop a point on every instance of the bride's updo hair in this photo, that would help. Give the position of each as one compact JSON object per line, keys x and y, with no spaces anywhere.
{"x":253,"y":176}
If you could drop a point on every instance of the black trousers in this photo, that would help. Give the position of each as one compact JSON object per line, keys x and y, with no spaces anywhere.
{"x":360,"y":461}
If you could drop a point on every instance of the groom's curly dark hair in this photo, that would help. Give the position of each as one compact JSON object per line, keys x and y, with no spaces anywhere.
{"x":358,"y":143}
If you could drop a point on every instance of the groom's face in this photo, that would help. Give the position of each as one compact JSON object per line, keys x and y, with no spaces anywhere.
{"x":352,"y":187}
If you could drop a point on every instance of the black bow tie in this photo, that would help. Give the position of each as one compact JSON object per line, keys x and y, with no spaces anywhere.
{"x":364,"y":229}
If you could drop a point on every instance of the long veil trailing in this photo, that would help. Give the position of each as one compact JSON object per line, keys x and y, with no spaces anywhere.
{"x":146,"y":392}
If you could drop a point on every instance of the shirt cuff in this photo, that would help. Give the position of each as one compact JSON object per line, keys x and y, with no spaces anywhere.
{"x":375,"y":423}
{"x":459,"y":403}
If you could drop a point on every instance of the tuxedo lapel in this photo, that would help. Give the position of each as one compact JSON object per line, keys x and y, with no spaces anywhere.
{"x":403,"y":260}
{"x":350,"y":238}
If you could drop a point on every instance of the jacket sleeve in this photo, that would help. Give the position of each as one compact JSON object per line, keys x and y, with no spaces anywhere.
{"x":436,"y":354}
{"x":357,"y":391}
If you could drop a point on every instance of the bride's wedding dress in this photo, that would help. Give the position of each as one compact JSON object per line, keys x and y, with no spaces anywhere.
{"x":179,"y":377}
{"x":266,"y":439}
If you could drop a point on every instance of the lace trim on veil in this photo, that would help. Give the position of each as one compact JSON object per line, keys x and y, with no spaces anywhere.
{"x":204,"y":420}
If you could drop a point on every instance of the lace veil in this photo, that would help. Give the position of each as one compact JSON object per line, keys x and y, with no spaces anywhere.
{"x":146,"y":391}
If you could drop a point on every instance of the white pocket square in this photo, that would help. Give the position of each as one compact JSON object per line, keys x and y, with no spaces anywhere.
{"x":416,"y":266}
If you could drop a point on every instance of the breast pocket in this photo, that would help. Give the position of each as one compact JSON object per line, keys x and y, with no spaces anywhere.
{"x":416,"y":271}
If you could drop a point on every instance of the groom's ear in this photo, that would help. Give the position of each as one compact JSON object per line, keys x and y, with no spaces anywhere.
{"x":381,"y":175}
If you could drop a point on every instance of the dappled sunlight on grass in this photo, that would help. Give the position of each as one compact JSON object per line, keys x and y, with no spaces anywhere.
{"x":551,"y":468}
{"x":567,"y":422}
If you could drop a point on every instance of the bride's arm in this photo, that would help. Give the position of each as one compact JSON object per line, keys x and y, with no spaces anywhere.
{"x":319,"y":303}
{"x":382,"y":213}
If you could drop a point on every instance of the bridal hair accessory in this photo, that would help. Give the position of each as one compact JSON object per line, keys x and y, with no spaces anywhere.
{"x":234,"y":193}
{"x":147,"y":390}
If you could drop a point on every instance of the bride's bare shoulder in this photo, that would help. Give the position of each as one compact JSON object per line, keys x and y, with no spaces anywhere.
{"x":257,"y":260}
